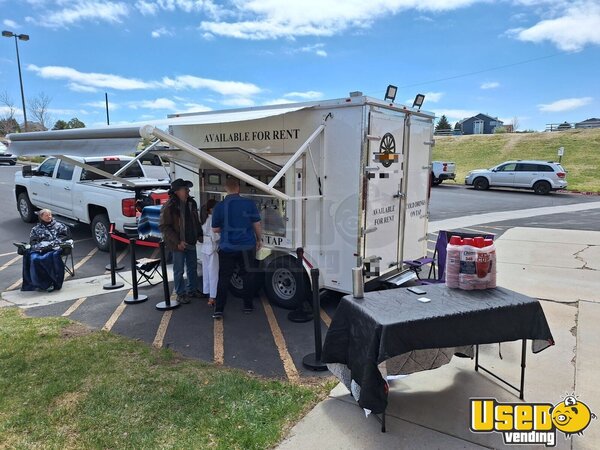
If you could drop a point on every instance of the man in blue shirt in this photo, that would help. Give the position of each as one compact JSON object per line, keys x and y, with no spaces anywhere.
{"x":238,"y":221}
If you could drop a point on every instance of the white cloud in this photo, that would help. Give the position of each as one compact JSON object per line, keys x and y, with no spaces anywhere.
{"x":81,"y":88}
{"x":317,"y":49}
{"x":454,"y":115}
{"x":87,"y":10}
{"x":238,"y":101}
{"x":566,"y":104}
{"x":278,"y":101}
{"x":490,"y":85}
{"x":100,"y":104}
{"x":195,"y":107}
{"x":11,"y":24}
{"x":150,"y":8}
{"x":66,"y":112}
{"x":307,"y":95}
{"x":90,"y":79}
{"x":162,"y":31}
{"x":576,"y":25}
{"x":430,"y":97}
{"x":272,"y":19}
{"x":237,"y":88}
{"x":159,"y":103}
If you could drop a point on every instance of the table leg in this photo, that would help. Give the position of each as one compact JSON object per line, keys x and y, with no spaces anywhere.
{"x":523,"y":365}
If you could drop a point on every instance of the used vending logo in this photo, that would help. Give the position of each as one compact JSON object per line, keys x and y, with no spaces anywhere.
{"x":530,"y":423}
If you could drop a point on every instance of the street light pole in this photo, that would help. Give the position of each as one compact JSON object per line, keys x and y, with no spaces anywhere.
{"x":22,"y":37}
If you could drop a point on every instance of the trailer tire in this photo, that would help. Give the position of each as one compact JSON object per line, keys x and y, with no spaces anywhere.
{"x":100,"y":231}
{"x":481,"y":184}
{"x":282,"y":279}
{"x":26,"y":209}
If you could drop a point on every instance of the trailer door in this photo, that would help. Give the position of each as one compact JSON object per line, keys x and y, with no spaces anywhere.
{"x":383,"y":179}
{"x":418,"y":158}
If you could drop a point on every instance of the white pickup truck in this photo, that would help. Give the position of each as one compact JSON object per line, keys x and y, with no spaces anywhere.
{"x":442,"y":170}
{"x":81,"y":196}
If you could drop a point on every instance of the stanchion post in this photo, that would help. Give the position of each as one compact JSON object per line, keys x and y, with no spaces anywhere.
{"x":113,"y":265}
{"x":302,"y":313}
{"x":168,"y":303}
{"x":113,"y":262}
{"x":135,"y":298}
{"x":313,"y":361}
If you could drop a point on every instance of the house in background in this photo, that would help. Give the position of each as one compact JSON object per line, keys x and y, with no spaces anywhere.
{"x":480,"y":124}
{"x":590,"y":123}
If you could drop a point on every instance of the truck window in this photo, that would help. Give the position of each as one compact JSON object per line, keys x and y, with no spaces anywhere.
{"x":65,"y":171}
{"x":111,"y":166}
{"x":47,"y":168}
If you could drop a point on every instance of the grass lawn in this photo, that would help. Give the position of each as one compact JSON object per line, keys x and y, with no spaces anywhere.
{"x":65,"y":386}
{"x":581,"y":160}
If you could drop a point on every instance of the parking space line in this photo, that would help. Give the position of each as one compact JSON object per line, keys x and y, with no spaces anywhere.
{"x":74,"y":307}
{"x":7,"y":264}
{"x":86,"y":258}
{"x":284,"y":354}
{"x":162,"y":329}
{"x":325,"y":318}
{"x":218,"y":346}
{"x":115,"y":315}
{"x":9,"y":253}
{"x":15,"y":285}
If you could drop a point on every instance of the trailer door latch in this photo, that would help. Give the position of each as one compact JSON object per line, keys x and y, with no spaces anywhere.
{"x":399,"y":195}
{"x":369,"y":230}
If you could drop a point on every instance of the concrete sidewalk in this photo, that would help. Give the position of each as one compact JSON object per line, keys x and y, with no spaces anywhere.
{"x":431,"y":409}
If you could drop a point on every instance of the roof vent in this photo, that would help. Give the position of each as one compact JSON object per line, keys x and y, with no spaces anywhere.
{"x":356,"y":94}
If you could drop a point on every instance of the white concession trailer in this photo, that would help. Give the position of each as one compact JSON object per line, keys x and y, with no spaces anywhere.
{"x":347,"y":180}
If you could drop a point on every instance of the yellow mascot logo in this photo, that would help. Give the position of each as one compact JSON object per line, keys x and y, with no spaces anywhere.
{"x":571,"y":416}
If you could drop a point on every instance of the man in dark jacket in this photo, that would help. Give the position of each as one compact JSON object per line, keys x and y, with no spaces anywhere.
{"x":180,"y":228}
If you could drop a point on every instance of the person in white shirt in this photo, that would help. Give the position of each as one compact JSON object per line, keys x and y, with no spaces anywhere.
{"x":210,"y":256}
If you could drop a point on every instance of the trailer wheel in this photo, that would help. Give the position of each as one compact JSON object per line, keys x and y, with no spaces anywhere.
{"x":236,"y":285}
{"x":282,"y":280}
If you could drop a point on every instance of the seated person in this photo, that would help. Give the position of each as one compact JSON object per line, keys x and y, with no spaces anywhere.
{"x":42,"y":264}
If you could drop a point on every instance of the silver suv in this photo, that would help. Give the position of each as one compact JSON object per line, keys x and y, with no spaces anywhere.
{"x":541,"y":176}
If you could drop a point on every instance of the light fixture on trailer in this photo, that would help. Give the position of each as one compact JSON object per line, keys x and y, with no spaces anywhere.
{"x":419,"y":99}
{"x":390,"y":93}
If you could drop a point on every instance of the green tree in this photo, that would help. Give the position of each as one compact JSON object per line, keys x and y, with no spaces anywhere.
{"x":457,"y":126}
{"x":60,"y":125}
{"x":443,"y":124}
{"x":76,"y":123}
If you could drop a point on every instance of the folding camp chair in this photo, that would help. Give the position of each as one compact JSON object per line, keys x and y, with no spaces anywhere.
{"x":147,"y":268}
{"x":66,"y":256}
{"x":437,"y":263}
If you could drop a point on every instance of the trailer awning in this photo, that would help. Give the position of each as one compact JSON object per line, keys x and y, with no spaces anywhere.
{"x":113,"y":140}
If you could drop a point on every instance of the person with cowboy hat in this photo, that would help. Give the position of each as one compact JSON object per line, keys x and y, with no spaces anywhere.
{"x":181,"y":230}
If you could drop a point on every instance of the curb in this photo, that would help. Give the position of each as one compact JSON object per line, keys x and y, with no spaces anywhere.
{"x":564,"y":191}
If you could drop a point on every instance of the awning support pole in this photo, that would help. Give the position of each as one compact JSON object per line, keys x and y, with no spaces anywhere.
{"x":137,"y":158}
{"x":296,"y":155}
{"x":149,"y":130}
{"x":96,"y":170}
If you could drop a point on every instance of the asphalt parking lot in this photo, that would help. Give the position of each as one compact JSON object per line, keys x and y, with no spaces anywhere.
{"x":266,"y":342}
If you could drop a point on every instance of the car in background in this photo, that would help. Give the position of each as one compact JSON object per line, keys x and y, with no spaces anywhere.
{"x":5,"y":156}
{"x":442,"y":170}
{"x":542,"y":177}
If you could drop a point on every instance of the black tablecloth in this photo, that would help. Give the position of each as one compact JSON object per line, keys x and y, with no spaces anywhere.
{"x":366,"y":332}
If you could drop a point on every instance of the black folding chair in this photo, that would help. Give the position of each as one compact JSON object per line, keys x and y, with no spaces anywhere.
{"x":66,"y":256}
{"x":147,"y":268}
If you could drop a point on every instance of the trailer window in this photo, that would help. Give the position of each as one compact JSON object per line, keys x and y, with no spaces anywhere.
{"x":214,"y":179}
{"x":111,"y":166}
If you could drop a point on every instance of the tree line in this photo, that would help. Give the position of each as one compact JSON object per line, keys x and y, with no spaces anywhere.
{"x":38,"y":108}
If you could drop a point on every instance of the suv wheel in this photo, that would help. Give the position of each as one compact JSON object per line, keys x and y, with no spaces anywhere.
{"x":26,"y":209}
{"x":100,"y":231}
{"x":481,"y":184}
{"x":542,"y":188}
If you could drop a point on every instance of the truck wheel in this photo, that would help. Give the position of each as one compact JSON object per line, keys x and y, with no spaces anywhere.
{"x":435,"y":181}
{"x":26,"y":209}
{"x":282,"y":281}
{"x":100,"y":231}
{"x":542,"y":188}
{"x":156,"y":161}
{"x":12,"y":163}
{"x":481,"y":184}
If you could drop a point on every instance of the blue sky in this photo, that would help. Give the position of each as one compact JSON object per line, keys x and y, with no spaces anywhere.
{"x":156,"y":57}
